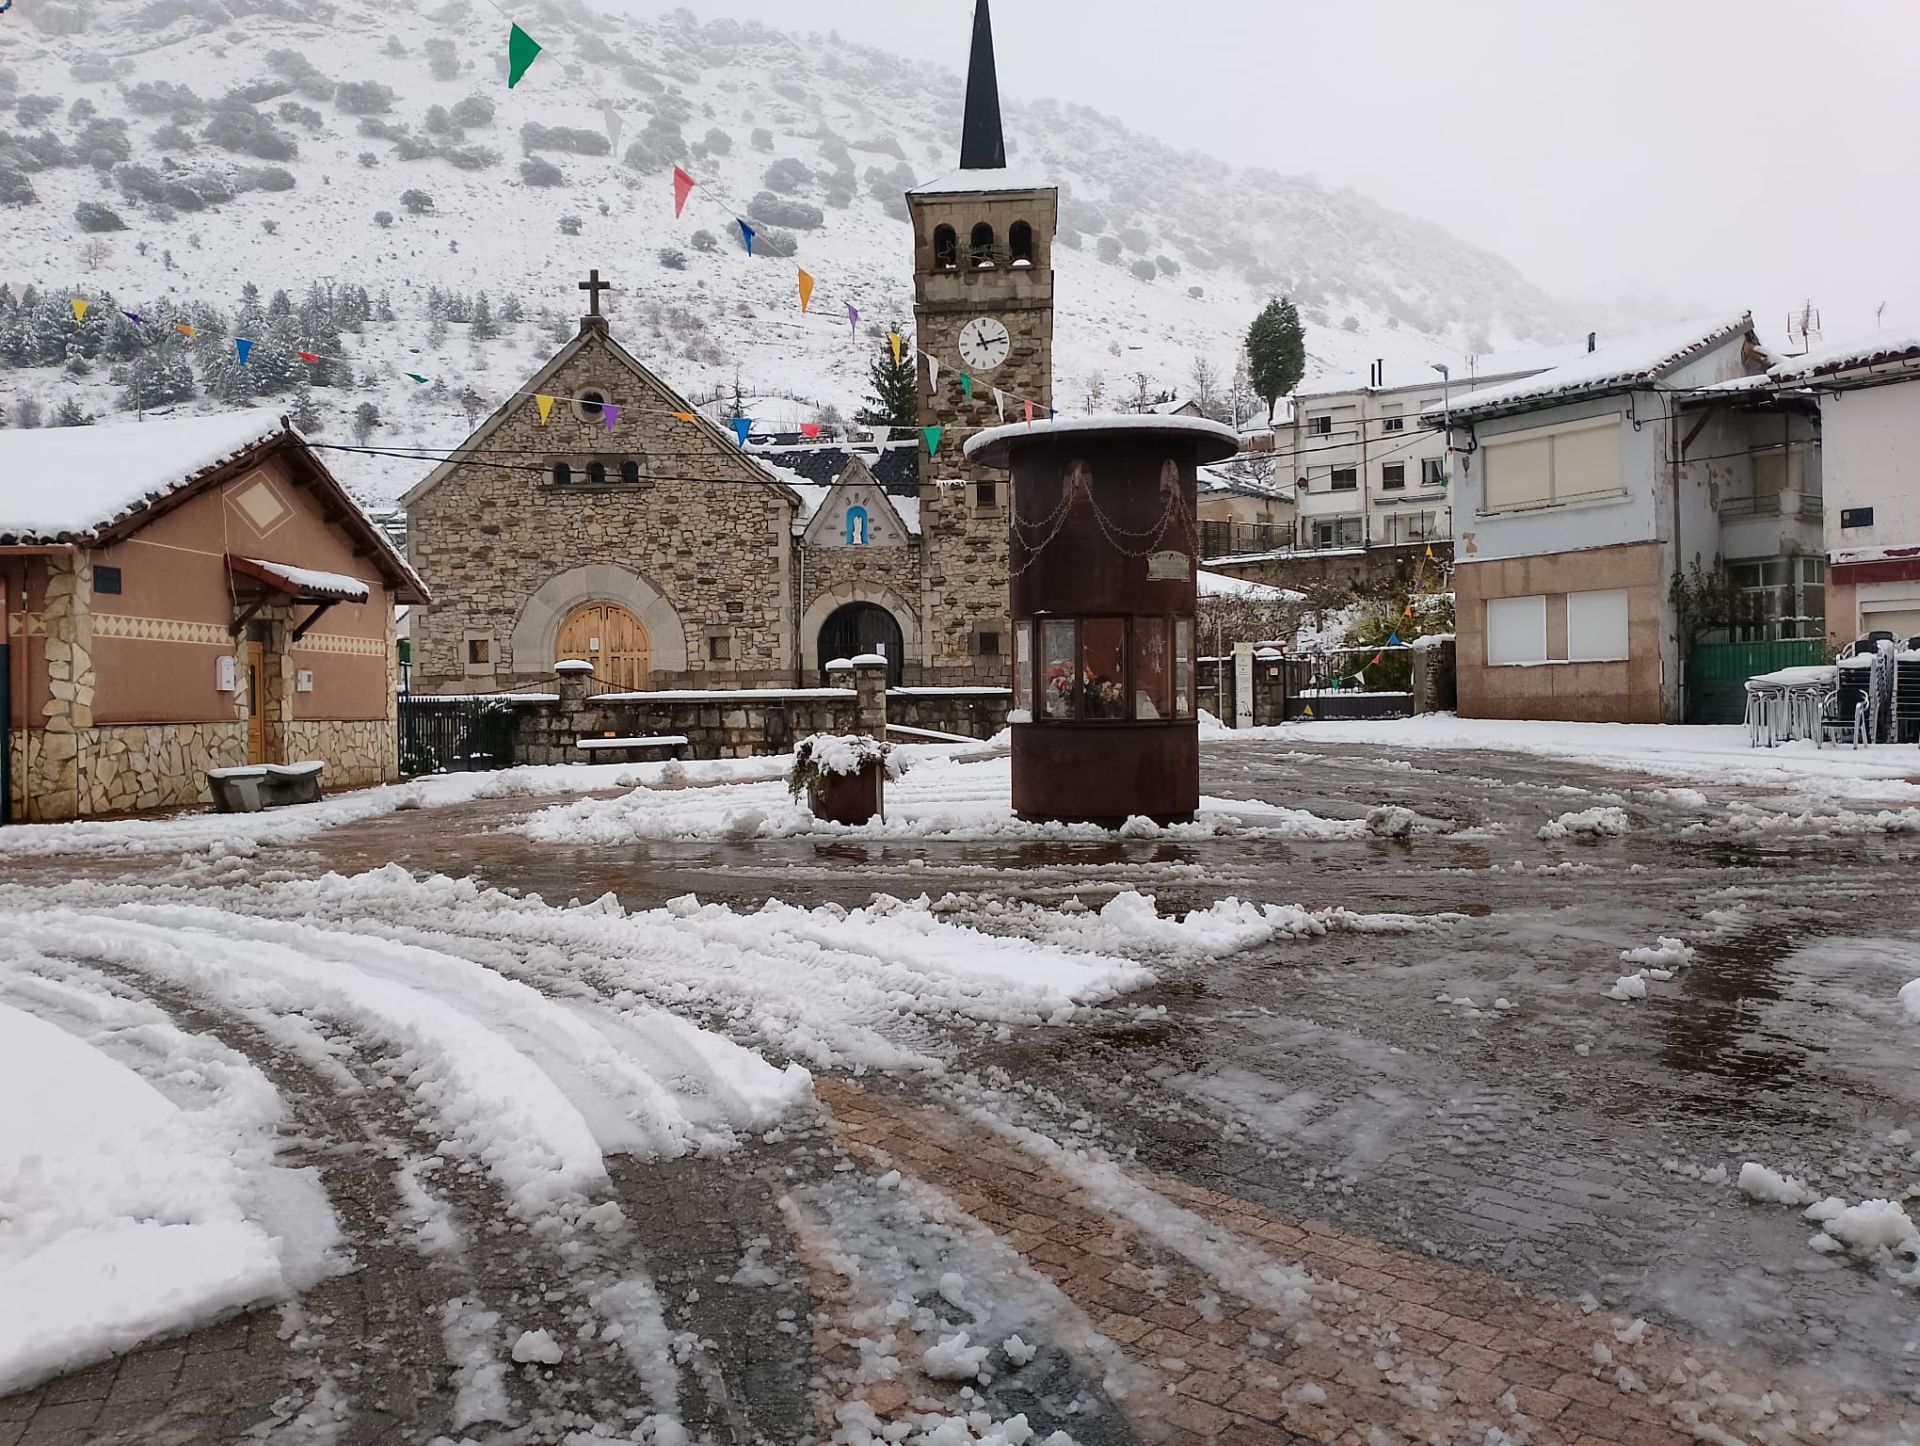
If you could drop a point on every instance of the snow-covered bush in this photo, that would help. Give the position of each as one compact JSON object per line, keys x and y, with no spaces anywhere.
{"x":92,"y":216}
{"x":1108,"y":248}
{"x":416,"y":202}
{"x":704,"y":240}
{"x":16,"y":189}
{"x":787,"y":175}
{"x":822,"y":754}
{"x":569,"y":225}
{"x":717,"y":141}
{"x":762,"y":139}
{"x":246,"y":131}
{"x":1143,"y":270}
{"x":363,"y":97}
{"x":777,"y":211}
{"x":582,"y":142}
{"x":775,"y":243}
{"x":671,"y":259}
{"x":475,"y":110}
{"x":536,"y":172}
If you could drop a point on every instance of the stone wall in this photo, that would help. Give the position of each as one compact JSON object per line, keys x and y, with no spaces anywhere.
{"x":1433,"y":678}
{"x":358,"y":753}
{"x":1351,"y":568}
{"x":741,"y":724}
{"x":972,"y":712}
{"x":834,"y":576}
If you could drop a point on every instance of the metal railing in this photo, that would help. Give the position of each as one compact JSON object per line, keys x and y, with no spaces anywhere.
{"x":1807,"y":506}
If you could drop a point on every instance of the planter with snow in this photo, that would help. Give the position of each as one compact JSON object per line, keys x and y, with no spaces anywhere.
{"x":843,"y":778}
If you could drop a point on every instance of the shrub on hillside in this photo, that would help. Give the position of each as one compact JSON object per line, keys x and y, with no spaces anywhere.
{"x":762,"y":138}
{"x":717,"y":141}
{"x":582,"y":142}
{"x":34,"y":110}
{"x":569,"y":225}
{"x":264,"y":178}
{"x":787,"y":175}
{"x":775,"y":243}
{"x":777,"y":211}
{"x":142,"y":183}
{"x":92,"y":216}
{"x":475,"y":110}
{"x":363,"y":97}
{"x":413,"y":148}
{"x":16,"y":189}
{"x":704,"y":240}
{"x":671,"y":259}
{"x":1144,"y":270}
{"x":471,"y":158}
{"x":297,"y":114}
{"x":383,"y":219}
{"x":159,"y":97}
{"x":536,"y":172}
{"x":250,"y":133}
{"x":416,"y":201}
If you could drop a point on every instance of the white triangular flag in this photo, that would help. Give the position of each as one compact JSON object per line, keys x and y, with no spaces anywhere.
{"x":614,"y":123}
{"x":933,"y":374}
{"x":1000,"y":403}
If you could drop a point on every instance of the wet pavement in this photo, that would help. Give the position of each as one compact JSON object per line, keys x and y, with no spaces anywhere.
{"x":1509,"y":1194}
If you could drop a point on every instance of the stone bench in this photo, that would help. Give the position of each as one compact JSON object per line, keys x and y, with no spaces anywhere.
{"x":633,"y":750}
{"x":254,"y":786}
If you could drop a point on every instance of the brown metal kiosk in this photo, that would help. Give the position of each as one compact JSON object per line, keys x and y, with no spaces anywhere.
{"x":1102,"y":574}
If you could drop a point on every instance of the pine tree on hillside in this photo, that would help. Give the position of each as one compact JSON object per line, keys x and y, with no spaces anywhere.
{"x":894,"y":399}
{"x":1277,"y":352}
{"x":483,"y":327}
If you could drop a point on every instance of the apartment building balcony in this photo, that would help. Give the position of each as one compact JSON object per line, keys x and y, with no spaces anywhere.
{"x":1789,"y":503}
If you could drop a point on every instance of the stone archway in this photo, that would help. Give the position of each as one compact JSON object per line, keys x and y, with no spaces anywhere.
{"x":560,"y":596}
{"x":858,"y":628}
{"x":840,"y":595}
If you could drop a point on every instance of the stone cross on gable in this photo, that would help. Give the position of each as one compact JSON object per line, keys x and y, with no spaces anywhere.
{"x":593,"y":286}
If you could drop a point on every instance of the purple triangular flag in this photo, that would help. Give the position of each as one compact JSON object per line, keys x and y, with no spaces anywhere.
{"x":134,"y":317}
{"x":853,"y":320}
{"x":611,"y":412}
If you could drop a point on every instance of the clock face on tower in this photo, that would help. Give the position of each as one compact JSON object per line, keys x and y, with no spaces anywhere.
{"x":984,"y":343}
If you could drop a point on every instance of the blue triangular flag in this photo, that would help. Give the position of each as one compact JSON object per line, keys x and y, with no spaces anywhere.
{"x":244,"y":347}
{"x":746,"y":235}
{"x":1393,"y":640}
{"x":742,"y":426}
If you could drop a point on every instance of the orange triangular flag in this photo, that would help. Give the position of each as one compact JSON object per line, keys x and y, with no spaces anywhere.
{"x":684,"y":417}
{"x":1409,"y":612}
{"x":183,"y":328}
{"x":545,"y":404}
{"x":806,"y":289}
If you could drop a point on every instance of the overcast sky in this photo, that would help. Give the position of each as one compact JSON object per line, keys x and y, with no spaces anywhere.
{"x":1751,"y":153}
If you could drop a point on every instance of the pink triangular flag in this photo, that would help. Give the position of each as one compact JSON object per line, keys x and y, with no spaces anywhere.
{"x":809,"y":430}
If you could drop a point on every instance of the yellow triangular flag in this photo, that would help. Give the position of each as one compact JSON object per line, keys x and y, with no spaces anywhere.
{"x":894,"y":337}
{"x":80,"y":309}
{"x":1429,"y":549}
{"x":685,"y":417}
{"x":1307,"y":712}
{"x":545,"y":404}
{"x":806,"y":290}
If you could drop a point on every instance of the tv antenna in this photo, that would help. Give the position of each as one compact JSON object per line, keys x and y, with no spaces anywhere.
{"x":1803,"y":326}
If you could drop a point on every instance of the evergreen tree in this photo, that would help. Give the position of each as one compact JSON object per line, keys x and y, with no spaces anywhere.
{"x":1276,"y":352}
{"x":511,"y":310}
{"x":894,"y":399}
{"x":303,"y":413}
{"x":71,"y":414}
{"x":3,"y":414}
{"x":366,"y":421}
{"x":483,"y":327}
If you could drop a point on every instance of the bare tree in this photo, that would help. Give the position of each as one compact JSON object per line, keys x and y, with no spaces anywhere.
{"x":1205,"y":392}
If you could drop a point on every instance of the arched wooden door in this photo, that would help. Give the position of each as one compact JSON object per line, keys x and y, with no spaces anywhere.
{"x":613,"y":640}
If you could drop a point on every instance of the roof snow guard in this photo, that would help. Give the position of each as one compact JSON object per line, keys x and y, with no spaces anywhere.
{"x":1626,"y":365}
{"x":983,"y":146}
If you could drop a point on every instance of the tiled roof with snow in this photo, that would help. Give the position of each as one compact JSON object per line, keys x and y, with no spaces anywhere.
{"x":67,"y":484}
{"x":308,"y":581}
{"x":895,"y":465}
{"x":1632,"y":361}
{"x":1467,"y":371}
{"x":1848,"y":356}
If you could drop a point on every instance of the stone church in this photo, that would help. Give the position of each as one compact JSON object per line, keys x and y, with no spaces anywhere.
{"x":597,"y":515}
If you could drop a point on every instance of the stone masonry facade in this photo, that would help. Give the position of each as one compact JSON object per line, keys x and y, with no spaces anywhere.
{"x":705,"y":532}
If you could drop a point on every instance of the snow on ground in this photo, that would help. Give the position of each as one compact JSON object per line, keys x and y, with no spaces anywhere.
{"x":137,"y":1189}
{"x":940,"y":797}
{"x":1703,"y":754}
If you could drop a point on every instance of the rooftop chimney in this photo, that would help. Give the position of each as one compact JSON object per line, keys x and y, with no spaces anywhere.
{"x":1591,"y":337}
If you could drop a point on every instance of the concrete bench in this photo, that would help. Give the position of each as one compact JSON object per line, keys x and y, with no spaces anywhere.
{"x":254,"y":786}
{"x":633,"y":750}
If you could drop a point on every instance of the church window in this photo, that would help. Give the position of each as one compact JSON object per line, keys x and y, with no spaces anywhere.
{"x":856,"y":527}
{"x":630,"y":472}
{"x":1020,"y":243}
{"x":562,"y":474}
{"x":589,"y":404}
{"x":596,"y":474}
{"x":981,"y":246}
{"x":986,"y":496}
{"x":946,"y":248}
{"x":719,"y":647}
{"x":987,"y":642}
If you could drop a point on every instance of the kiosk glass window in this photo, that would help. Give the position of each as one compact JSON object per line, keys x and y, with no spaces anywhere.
{"x":1023,"y":669}
{"x":1058,"y":667}
{"x":1103,"y":668}
{"x":1152,"y":669}
{"x":1183,"y":667}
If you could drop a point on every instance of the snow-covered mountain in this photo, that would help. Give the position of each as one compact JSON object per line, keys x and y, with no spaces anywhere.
{"x":225,"y":142}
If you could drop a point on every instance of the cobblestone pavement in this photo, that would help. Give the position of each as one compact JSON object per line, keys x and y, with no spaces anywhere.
{"x":1326,"y":1189}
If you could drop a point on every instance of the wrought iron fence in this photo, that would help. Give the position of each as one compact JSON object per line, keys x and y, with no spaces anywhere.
{"x":455,"y":735}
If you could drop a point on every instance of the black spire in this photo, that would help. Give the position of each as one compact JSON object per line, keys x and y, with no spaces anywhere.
{"x":982,"y":146}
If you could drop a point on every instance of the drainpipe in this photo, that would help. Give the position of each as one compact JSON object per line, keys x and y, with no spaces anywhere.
{"x":6,"y":700}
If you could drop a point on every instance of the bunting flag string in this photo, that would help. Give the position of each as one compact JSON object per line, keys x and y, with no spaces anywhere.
{"x":185,"y":329}
{"x":1393,"y":640}
{"x":522,"y":49}
{"x":1029,"y":407}
{"x":416,"y":377}
{"x":134,"y":317}
{"x":810,"y":430}
{"x":545,"y":405}
{"x":684,"y":417}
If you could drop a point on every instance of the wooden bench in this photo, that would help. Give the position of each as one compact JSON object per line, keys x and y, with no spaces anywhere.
{"x":633,"y":750}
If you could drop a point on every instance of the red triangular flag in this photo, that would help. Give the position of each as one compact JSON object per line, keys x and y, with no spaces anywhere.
{"x":809,"y":430}
{"x":683,"y":185}
{"x":307,"y":356}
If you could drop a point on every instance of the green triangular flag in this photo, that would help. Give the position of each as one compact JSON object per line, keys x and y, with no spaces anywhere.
{"x":416,"y":377}
{"x":966,"y":386}
{"x":521,"y":50}
{"x":933,"y":436}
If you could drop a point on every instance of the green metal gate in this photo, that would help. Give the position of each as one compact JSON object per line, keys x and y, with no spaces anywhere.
{"x":1717,"y":673}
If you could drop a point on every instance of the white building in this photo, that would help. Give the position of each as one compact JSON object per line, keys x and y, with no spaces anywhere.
{"x":1582,"y":495}
{"x":1366,"y":472}
{"x":1869,"y":395}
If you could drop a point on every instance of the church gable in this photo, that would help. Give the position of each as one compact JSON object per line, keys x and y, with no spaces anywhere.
{"x":857,"y":512}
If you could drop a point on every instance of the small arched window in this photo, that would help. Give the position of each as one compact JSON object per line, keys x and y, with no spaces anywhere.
{"x":562,"y":474}
{"x":1020,"y":243}
{"x":981,"y":245}
{"x":630,"y":472}
{"x":590,"y":405}
{"x":946,"y":249}
{"x":597,"y":474}
{"x":856,"y":527}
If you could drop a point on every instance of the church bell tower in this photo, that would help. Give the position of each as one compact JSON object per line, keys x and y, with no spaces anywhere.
{"x":983,"y":319}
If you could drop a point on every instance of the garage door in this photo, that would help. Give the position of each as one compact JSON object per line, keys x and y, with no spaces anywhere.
{"x":1903,"y":622}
